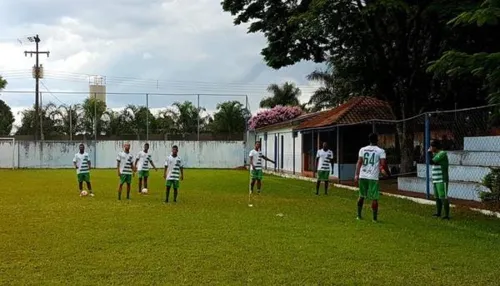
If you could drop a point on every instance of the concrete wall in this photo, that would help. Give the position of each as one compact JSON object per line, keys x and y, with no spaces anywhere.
{"x":285,"y":150}
{"x":196,"y":154}
{"x":467,"y":169}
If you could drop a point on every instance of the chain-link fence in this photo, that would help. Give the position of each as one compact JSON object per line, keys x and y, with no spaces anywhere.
{"x":84,"y":116}
{"x":468,"y":136}
{"x":210,"y":129}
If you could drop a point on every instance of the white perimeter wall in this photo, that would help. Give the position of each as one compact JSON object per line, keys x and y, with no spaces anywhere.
{"x":196,"y":154}
{"x":285,"y":151}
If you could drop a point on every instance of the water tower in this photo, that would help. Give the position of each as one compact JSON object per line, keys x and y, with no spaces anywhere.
{"x":97,"y":88}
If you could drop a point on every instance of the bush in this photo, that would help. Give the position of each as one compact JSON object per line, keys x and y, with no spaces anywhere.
{"x":492,"y":182}
{"x":275,"y":115}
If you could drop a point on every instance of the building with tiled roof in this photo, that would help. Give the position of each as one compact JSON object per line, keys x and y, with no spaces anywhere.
{"x":293,"y":144}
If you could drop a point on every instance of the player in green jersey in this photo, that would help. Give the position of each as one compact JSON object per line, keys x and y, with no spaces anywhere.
{"x":440,"y":178}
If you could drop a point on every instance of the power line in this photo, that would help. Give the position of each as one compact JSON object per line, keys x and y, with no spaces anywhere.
{"x":156,"y":82}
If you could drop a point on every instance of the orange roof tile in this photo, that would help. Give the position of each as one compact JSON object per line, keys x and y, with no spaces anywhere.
{"x":356,"y":110}
{"x":297,"y":120}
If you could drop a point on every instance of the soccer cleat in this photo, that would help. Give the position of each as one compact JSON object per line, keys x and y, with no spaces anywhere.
{"x":436,"y":215}
{"x":91,"y":194}
{"x":446,"y":218}
{"x":358,"y":218}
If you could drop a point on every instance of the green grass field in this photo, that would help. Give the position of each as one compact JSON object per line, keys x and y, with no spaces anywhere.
{"x":49,"y":235}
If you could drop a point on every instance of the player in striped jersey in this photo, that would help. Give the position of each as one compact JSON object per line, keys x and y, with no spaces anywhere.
{"x":440,"y":178}
{"x":142,"y":166}
{"x":125,"y":168}
{"x":174,"y":171}
{"x":324,"y":163}
{"x":256,"y":158}
{"x":81,"y":161}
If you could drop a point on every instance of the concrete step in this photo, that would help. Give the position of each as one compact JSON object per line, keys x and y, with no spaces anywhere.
{"x":482,"y":143}
{"x":460,"y":173}
{"x":474,"y":158}
{"x":458,"y":190}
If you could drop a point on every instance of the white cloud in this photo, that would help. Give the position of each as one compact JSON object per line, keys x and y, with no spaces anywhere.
{"x":180,"y":43}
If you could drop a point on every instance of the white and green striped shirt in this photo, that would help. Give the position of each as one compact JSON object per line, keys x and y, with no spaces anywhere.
{"x":82,"y":162}
{"x":325,"y":160}
{"x":173,"y":165}
{"x":144,"y":160}
{"x":257,"y":159}
{"x":126,"y":161}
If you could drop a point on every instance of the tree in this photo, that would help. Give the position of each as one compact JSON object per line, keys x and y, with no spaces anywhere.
{"x":50,"y":121}
{"x":6,"y":119}
{"x":69,"y":119}
{"x":3,"y":83}
{"x":186,"y":117}
{"x":333,"y":92}
{"x":165,"y":122}
{"x":285,"y":95}
{"x":93,"y":111}
{"x":274,"y":115}
{"x":230,"y":117}
{"x":6,"y":116}
{"x":481,"y":63}
{"x":378,"y":48}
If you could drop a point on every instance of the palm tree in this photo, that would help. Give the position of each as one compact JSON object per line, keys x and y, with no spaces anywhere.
{"x":70,"y":118}
{"x":165,"y":122}
{"x":288,"y":94}
{"x":93,"y":111}
{"x":51,"y":122}
{"x":333,"y":92}
{"x":231,"y":117}
{"x":187,"y":117}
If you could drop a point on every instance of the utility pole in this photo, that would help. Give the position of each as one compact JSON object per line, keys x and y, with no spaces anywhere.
{"x":37,"y":74}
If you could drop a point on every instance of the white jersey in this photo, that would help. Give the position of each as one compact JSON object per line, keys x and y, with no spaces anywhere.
{"x":257,"y":159}
{"x":126,"y":161}
{"x":82,"y":163}
{"x":173,"y":165}
{"x":325,"y":160}
{"x":144,"y":160}
{"x":371,"y":156}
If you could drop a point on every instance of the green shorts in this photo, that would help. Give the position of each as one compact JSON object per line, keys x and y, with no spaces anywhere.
{"x":143,"y":174}
{"x":369,"y":189}
{"x":125,"y":178}
{"x":324,"y":176}
{"x":173,"y":183}
{"x":441,"y":190}
{"x":257,"y":175}
{"x":85,"y":177}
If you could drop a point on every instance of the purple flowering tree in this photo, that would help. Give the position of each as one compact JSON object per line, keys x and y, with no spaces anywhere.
{"x":274,"y":115}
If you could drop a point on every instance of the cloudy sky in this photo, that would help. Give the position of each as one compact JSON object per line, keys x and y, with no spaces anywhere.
{"x":148,"y":46}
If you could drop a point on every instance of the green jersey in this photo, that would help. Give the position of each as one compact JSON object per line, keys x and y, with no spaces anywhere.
{"x":440,"y":168}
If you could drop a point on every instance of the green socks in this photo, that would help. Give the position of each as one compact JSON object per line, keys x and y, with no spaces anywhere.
{"x":360,"y":207}
{"x":446,"y":208}
{"x":439,"y":207}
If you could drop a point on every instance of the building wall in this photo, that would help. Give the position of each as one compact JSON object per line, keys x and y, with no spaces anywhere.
{"x":280,"y":148}
{"x":196,"y":154}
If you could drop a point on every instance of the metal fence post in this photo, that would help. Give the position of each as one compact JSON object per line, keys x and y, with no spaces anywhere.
{"x":427,"y":140}
{"x":147,"y":117}
{"x":294,"y":134}
{"x":338,"y":153}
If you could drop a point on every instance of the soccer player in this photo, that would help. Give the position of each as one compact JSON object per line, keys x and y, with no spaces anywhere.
{"x":81,"y":162}
{"x":142,"y":166}
{"x":256,"y":166}
{"x":324,"y":163}
{"x":125,"y":169}
{"x":371,"y":161}
{"x":174,"y":170}
{"x":440,"y":178}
